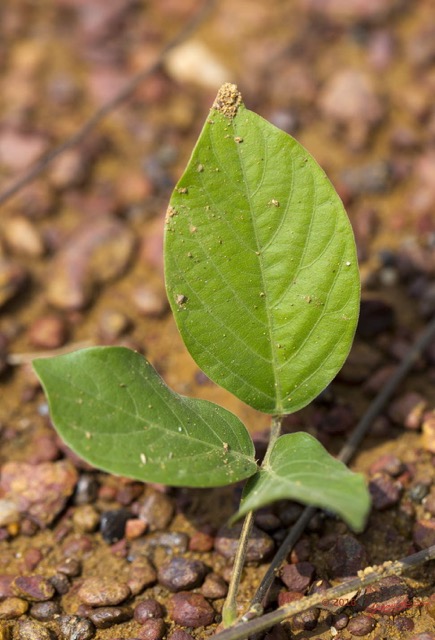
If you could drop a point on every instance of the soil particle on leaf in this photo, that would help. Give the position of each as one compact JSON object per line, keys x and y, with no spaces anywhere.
{"x":228,"y":100}
{"x":181,"y":574}
{"x":190,"y":610}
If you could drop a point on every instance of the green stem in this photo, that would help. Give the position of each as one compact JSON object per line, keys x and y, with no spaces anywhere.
{"x":229,"y":611}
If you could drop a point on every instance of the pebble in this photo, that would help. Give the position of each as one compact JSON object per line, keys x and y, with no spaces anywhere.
{"x":404,"y":625}
{"x":301,"y":552}
{"x":85,"y":518}
{"x":297,"y":577}
{"x":149,"y":301}
{"x":387,"y":463}
{"x":146,"y":609}
{"x":8,"y":512}
{"x":105,"y":617}
{"x":22,"y":237}
{"x":156,"y":509}
{"x":19,"y":150}
{"x":113,"y":324}
{"x":135,"y":528}
{"x":40,"y":491}
{"x":45,"y":610}
{"x":260,"y":544}
{"x":424,"y":533}
{"x":352,"y":11}
{"x":306,"y":620}
{"x":33,"y":588}
{"x":428,"y":503}
{"x":13,"y":278}
{"x":79,"y":545}
{"x":48,"y":332}
{"x":340,"y":621}
{"x":28,"y":630}
{"x":6,"y":590}
{"x":376,"y":316}
{"x":12,"y":608}
{"x":68,"y":170}
{"x":112,"y":524}
{"x":347,"y":557}
{"x":98,"y":252}
{"x":61,"y":583}
{"x":190,"y":610}
{"x":75,"y":628}
{"x":181,"y":574}
{"x":418,"y":491}
{"x":152,"y":629}
{"x":141,"y":575}
{"x":128,"y":492}
{"x":428,"y":431}
{"x":44,"y":449}
{"x":426,"y":635}
{"x":180,"y":634}
{"x":384,"y":491}
{"x":408,"y":410}
{"x":86,"y":489}
{"x":201,"y":541}
{"x":361,"y":625}
{"x":214,"y":587}
{"x":389,"y":597}
{"x":103,"y":592}
{"x":286,"y":597}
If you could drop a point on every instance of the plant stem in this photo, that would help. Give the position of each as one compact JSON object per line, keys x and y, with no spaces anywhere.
{"x":346,"y":453}
{"x":368,"y":576}
{"x":229,"y":611}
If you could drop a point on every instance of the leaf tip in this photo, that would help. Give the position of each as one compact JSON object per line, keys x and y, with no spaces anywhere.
{"x":228,"y":100}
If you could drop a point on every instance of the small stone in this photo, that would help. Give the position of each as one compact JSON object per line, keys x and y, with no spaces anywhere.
{"x":306,"y":620}
{"x":418,"y":491}
{"x":150,"y":302}
{"x":105,"y":617}
{"x":340,"y":621}
{"x":201,"y":541}
{"x":22,"y":237}
{"x":113,"y":324}
{"x":85,"y":518}
{"x":260,"y":544}
{"x":71,"y":567}
{"x":214,"y":587}
{"x":286,"y":597}
{"x":13,"y":277}
{"x":40,"y":491}
{"x":361,"y":625}
{"x":408,"y":410}
{"x":152,"y":629}
{"x":19,"y":150}
{"x":190,"y":610}
{"x":179,"y":634}
{"x":141,"y":575}
{"x":423,"y":636}
{"x":387,"y":463}
{"x":61,"y":583}
{"x":112,"y":524}
{"x":86,"y":490}
{"x":424,"y":533}
{"x":33,"y":588}
{"x":32,"y":557}
{"x":156,"y":509}
{"x":12,"y":608}
{"x":6,"y":586}
{"x":347,"y":557}
{"x":297,"y":577}
{"x":103,"y":592}
{"x":8,"y":512}
{"x":28,"y":630}
{"x":44,"y":610}
{"x":173,"y":541}
{"x":75,"y":628}
{"x":181,"y":574}
{"x":68,"y":170}
{"x":146,"y":609}
{"x":48,"y":332}
{"x":428,"y":432}
{"x":135,"y":528}
{"x":384,"y":491}
{"x":388,"y":597}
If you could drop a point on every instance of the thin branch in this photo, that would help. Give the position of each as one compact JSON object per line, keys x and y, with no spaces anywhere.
{"x":345,"y":455}
{"x":80,"y":135}
{"x":366,"y":577}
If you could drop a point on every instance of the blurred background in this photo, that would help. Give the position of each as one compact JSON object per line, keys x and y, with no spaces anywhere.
{"x":80,"y":247}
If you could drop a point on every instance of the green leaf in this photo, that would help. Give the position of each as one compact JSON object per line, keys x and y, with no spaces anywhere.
{"x":301,"y":469}
{"x":112,"y":408}
{"x":260,"y":262}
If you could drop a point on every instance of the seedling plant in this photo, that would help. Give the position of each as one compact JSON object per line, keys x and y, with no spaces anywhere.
{"x":262,"y":277}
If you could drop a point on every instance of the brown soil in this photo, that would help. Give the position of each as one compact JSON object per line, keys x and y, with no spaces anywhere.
{"x":58,"y":64}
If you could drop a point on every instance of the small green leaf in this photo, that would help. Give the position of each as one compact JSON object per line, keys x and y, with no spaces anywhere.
{"x":260,"y":262}
{"x":300,"y":469}
{"x":112,"y":408}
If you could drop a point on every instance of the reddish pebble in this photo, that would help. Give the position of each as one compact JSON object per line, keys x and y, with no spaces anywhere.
{"x":286,"y":597}
{"x":32,"y":558}
{"x":389,"y":596}
{"x":33,"y":588}
{"x":103,"y":591}
{"x":408,"y":410}
{"x":214,"y":587}
{"x":179,"y":634}
{"x":190,"y":610}
{"x":152,"y":629}
{"x":297,"y":577}
{"x":384,"y":491}
{"x":180,"y":574}
{"x":387,"y":463}
{"x":146,"y":609}
{"x":428,"y":431}
{"x":48,"y":332}
{"x":201,"y":541}
{"x":361,"y":625}
{"x":135,"y":528}
{"x":424,"y":533}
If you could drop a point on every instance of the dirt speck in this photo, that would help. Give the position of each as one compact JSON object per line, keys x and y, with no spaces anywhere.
{"x":228,"y":100}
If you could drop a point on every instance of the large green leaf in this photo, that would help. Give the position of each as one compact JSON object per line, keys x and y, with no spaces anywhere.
{"x":299,"y":468}
{"x":112,"y":408}
{"x":260,"y":262}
